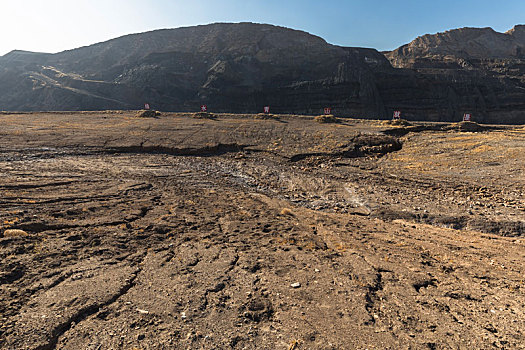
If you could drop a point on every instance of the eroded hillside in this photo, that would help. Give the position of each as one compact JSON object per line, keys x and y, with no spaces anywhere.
{"x":241,"y":67}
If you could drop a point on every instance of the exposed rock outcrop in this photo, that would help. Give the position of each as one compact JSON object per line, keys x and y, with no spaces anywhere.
{"x":468,"y":69}
{"x":230,"y":67}
{"x":244,"y":66}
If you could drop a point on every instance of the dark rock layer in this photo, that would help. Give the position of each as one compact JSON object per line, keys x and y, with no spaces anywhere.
{"x":243,"y":67}
{"x":468,"y":69}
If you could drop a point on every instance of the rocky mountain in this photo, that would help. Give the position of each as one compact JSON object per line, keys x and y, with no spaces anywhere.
{"x":474,"y":69}
{"x":230,"y":67}
{"x":465,"y":43}
{"x":244,"y":66}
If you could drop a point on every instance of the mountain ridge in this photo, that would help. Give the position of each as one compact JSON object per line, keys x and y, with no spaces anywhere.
{"x":467,"y":42}
{"x":239,"y":67}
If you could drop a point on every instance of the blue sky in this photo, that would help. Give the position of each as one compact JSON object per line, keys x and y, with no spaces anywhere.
{"x":56,"y":25}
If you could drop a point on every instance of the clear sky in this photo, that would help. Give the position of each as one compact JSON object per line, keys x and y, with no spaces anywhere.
{"x":56,"y":25}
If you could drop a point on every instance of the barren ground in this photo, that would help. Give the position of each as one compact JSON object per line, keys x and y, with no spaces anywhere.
{"x":243,"y":232}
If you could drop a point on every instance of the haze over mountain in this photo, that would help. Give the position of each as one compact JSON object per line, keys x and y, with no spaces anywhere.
{"x":244,"y":66}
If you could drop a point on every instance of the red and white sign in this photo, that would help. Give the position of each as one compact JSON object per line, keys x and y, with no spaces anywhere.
{"x":204,"y":108}
{"x":466,"y":117}
{"x":146,"y":106}
{"x":327,"y":110}
{"x":266,"y":109}
{"x":397,"y":115}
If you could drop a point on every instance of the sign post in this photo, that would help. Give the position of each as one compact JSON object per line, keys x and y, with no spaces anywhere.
{"x":266,"y":109}
{"x":467,"y":117}
{"x":146,"y":106}
{"x":327,"y":110}
{"x":397,"y":115}
{"x":204,"y":108}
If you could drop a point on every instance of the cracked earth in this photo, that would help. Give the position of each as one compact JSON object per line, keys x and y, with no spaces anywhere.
{"x":242,"y":232}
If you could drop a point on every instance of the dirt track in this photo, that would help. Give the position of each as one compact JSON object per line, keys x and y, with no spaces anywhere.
{"x":190,"y":233}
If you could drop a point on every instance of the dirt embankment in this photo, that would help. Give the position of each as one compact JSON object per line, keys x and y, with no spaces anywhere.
{"x":241,"y":232}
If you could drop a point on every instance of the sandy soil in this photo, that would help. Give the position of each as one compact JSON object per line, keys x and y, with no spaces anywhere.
{"x":242,"y":232}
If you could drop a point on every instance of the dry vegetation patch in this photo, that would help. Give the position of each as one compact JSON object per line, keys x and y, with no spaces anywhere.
{"x":286,"y":211}
{"x":466,"y":126}
{"x":396,"y":122}
{"x":204,"y":115}
{"x":148,"y":114}
{"x":14,"y":233}
{"x":266,"y":116}
{"x":326,"y":118}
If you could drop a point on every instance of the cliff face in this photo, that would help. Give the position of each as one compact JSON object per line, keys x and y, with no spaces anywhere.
{"x":469,"y":69}
{"x":230,"y":67}
{"x":464,"y":43}
{"x":242,"y":67}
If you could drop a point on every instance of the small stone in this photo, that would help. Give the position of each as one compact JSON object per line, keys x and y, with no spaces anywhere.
{"x":14,"y":233}
{"x":183,"y":315}
{"x":295,"y":285}
{"x":317,"y":270}
{"x":142,"y":311}
{"x":141,"y":336}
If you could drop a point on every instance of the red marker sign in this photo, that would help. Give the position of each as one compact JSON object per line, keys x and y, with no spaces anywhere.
{"x":204,"y":108}
{"x":146,"y":106}
{"x":466,"y":117}
{"x":266,"y":109}
{"x":327,"y":110}
{"x":397,"y":115}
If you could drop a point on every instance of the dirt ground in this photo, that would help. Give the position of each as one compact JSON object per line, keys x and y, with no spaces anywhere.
{"x":242,"y":232}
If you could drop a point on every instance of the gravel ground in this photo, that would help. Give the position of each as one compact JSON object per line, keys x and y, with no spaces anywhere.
{"x":240,"y":232}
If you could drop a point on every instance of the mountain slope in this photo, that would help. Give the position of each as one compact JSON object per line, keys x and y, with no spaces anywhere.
{"x":241,"y":67}
{"x":231,"y":67}
{"x":471,"y":69}
{"x":465,"y":43}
